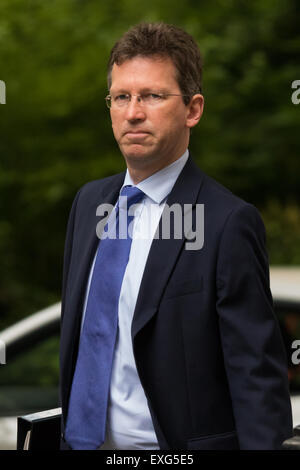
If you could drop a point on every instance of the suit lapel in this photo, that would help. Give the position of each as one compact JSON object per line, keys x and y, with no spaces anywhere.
{"x":164,"y":253}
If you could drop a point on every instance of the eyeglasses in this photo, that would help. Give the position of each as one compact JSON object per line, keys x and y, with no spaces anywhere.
{"x":147,"y":99}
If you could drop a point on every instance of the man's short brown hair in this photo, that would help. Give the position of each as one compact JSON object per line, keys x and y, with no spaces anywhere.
{"x":162,"y":40}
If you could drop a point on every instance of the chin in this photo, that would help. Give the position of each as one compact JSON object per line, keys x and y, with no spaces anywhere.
{"x":137,"y":159}
{"x":137,"y":153}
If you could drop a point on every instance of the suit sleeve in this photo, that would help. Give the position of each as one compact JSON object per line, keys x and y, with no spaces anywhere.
{"x":254,"y":354}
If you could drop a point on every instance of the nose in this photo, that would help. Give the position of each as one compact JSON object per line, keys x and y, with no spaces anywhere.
{"x":135,"y":110}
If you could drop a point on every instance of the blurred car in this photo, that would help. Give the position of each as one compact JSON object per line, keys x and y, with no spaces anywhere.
{"x":32,"y":347}
{"x":29,"y":377}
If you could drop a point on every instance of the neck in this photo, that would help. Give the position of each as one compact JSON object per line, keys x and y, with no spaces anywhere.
{"x":140,"y":170}
{"x":139,"y":174}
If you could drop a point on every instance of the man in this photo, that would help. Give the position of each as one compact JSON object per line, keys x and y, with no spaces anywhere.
{"x":166,"y":345}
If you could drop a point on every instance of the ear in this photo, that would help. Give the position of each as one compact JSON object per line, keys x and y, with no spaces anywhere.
{"x":194,"y":110}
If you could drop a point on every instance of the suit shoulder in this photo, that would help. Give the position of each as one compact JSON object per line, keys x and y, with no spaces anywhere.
{"x":95,"y":189}
{"x":216,"y":193}
{"x":222,"y":205}
{"x":102,"y":183}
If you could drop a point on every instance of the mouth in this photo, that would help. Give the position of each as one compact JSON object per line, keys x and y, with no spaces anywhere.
{"x":136,"y":133}
{"x":136,"y":136}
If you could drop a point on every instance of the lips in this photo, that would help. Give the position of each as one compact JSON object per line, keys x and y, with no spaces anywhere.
{"x":136,"y":136}
{"x":136,"y":133}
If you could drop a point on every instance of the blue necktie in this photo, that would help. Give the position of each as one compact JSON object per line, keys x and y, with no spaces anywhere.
{"x":86,"y":420}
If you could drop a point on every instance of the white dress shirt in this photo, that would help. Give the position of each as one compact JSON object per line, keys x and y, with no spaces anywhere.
{"x":129,"y":423}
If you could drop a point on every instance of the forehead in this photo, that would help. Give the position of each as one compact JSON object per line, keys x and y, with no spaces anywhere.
{"x":144,"y":73}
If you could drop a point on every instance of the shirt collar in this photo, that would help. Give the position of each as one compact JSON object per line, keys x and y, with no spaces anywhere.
{"x":159,"y":185}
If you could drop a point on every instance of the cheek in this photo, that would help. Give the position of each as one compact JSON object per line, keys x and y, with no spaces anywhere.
{"x":115,"y":123}
{"x":171,"y":124}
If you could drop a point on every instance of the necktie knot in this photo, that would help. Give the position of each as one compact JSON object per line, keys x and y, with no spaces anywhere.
{"x":132,"y":194}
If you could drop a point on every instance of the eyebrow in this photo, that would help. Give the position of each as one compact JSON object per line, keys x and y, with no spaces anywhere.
{"x":161,"y":90}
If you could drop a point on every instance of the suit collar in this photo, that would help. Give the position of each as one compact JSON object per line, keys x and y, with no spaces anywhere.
{"x":111,"y":187}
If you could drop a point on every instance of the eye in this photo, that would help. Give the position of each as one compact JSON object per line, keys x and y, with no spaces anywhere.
{"x":121,"y":98}
{"x":152,"y":97}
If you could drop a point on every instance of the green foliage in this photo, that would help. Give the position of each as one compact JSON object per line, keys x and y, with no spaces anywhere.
{"x":283,"y":232}
{"x":55,"y":131}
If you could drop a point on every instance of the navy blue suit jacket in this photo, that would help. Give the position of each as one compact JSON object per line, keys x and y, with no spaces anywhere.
{"x":207,"y":345}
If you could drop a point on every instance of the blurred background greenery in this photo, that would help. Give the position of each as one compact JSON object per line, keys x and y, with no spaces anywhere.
{"x":55,"y":131}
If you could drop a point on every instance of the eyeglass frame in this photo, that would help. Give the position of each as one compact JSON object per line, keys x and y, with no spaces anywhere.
{"x":139,"y":96}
